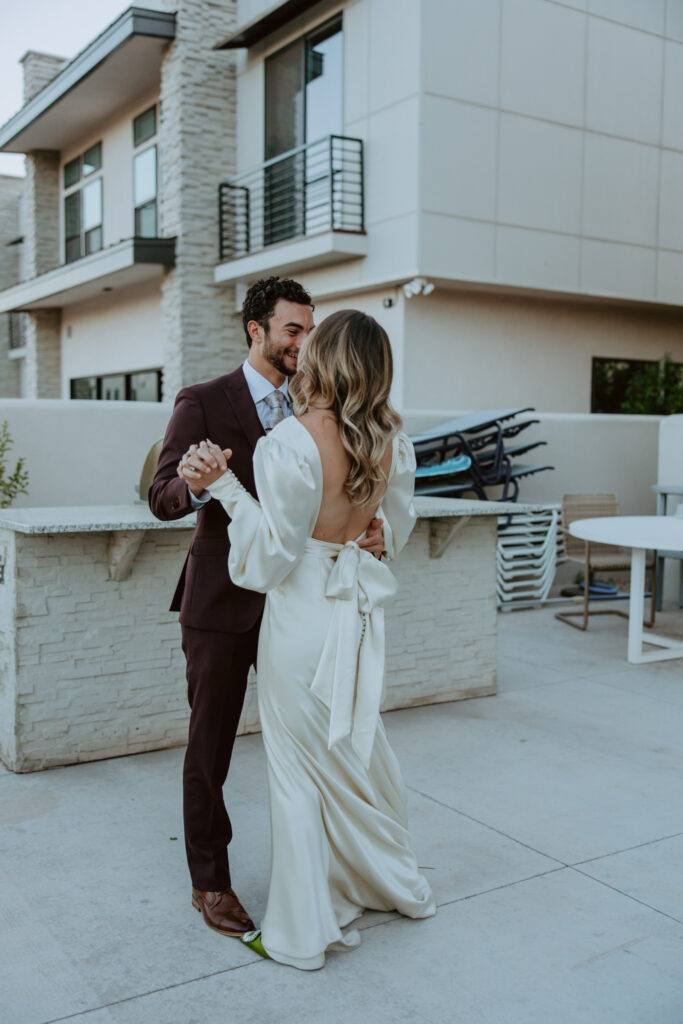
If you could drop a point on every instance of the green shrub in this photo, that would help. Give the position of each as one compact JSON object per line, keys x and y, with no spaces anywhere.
{"x":17,"y":481}
{"x":655,"y":389}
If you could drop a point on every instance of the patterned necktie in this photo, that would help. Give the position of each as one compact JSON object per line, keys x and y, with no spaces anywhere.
{"x":276,"y":409}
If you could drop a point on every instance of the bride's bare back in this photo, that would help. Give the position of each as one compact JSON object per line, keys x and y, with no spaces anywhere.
{"x":338,"y":520}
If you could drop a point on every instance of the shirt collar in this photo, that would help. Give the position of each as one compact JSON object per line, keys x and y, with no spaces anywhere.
{"x":259,"y":386}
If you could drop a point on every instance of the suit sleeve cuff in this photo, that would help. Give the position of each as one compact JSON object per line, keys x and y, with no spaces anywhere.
{"x":198,"y":500}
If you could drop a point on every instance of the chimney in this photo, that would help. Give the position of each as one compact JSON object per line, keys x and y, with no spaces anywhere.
{"x":39,"y":69}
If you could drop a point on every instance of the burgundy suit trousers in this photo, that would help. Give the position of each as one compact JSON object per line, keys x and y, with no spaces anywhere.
{"x":217,"y":669}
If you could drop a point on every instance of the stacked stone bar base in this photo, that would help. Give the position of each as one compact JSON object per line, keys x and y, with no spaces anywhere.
{"x":90,"y":661}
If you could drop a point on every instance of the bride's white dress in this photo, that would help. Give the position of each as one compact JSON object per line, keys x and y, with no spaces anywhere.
{"x":337,"y":801}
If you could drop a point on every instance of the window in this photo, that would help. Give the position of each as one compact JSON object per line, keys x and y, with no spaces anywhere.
{"x":139,"y":386}
{"x":84,"y":387}
{"x":145,"y":126}
{"x":303,"y":93}
{"x":113,"y":387}
{"x":145,"y":176}
{"x":145,"y":192}
{"x":72,"y":172}
{"x":92,"y":159}
{"x":92,"y":216}
{"x":145,"y":386}
{"x":17,"y":330}
{"x":83,"y":205}
{"x":72,"y":227}
{"x":637,"y":386}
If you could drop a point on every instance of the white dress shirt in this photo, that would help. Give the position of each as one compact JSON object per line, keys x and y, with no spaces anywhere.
{"x":259,"y":387}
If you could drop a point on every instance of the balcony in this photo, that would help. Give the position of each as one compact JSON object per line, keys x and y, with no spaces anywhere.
{"x":300,"y":210}
{"x":127,"y":263}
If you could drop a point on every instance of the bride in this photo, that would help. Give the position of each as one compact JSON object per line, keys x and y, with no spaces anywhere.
{"x":337,"y":803}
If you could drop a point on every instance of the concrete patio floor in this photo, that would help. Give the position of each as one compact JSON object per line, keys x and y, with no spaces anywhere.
{"x":548,"y":819}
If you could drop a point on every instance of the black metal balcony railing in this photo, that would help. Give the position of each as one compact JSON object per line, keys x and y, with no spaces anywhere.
{"x":314,"y":188}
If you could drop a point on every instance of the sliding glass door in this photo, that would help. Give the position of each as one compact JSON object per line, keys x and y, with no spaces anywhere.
{"x":303,"y":86}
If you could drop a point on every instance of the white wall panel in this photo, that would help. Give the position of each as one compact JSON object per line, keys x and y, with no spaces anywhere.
{"x":620,"y":190}
{"x":624,"y":271}
{"x":674,"y":19}
{"x":542,"y":60}
{"x":453,"y":247}
{"x":460,"y":49}
{"x":670,"y":277}
{"x":540,"y":173}
{"x":672,"y":114}
{"x":537,"y":259}
{"x":458,"y":158}
{"x":671,"y":201}
{"x":624,"y":81}
{"x":644,"y":14}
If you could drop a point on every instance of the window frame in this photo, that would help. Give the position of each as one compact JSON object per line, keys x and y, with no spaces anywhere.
{"x":83,"y":181}
{"x":139,"y":149}
{"x":141,"y":207}
{"x":632,"y":365}
{"x":99,"y":380}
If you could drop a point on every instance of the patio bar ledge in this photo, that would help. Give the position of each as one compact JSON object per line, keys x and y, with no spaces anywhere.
{"x":104,"y":518}
{"x":94,"y":666}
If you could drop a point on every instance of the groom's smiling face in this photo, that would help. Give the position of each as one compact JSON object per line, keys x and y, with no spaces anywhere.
{"x":277,"y":347}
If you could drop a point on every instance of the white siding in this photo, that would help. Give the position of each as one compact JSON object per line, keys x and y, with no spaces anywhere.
{"x":116,"y":137}
{"x":112,"y":334}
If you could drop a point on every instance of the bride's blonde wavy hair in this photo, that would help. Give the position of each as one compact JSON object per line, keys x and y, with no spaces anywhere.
{"x":345,"y":365}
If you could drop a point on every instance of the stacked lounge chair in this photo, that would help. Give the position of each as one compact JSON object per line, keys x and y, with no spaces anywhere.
{"x":478,"y":454}
{"x":530,"y":547}
{"x":473,"y":455}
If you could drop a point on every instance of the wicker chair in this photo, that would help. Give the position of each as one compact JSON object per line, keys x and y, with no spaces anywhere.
{"x":597,"y":557}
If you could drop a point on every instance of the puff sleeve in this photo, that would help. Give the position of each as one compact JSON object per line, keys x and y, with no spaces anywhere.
{"x":267,"y":536}
{"x":397,"y":508}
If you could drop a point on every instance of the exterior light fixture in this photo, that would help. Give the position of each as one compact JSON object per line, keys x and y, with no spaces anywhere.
{"x":418,"y":286}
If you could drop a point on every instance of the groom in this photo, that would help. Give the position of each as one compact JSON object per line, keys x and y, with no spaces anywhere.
{"x":220,"y":621}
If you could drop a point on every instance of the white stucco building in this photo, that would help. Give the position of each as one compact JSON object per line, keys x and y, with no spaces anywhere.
{"x":519,"y":158}
{"x":125,"y":147}
{"x":523,"y":156}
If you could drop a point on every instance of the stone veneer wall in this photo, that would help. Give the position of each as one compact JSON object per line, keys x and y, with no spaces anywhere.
{"x":92,"y":668}
{"x":11,"y":189}
{"x":43,"y":361}
{"x":203,"y":336}
{"x":39,"y":69}
{"x":42,"y":378}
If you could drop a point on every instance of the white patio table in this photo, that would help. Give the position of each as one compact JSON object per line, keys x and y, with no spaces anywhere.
{"x":640,"y":533}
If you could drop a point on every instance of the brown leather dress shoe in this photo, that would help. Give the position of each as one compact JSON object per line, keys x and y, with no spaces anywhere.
{"x":222,"y":912}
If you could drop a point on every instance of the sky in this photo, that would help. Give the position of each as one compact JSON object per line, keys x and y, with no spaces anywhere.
{"x":62,"y":28}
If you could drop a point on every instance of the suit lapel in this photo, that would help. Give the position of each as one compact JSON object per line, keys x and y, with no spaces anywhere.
{"x":239,"y":396}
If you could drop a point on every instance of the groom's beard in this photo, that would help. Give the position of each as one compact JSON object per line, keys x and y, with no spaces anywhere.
{"x":276,"y":357}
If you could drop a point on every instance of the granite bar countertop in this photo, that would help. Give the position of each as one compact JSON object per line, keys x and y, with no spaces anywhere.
{"x":105,"y":518}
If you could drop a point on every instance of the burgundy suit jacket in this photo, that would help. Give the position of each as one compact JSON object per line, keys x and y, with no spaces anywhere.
{"x":223,"y":411}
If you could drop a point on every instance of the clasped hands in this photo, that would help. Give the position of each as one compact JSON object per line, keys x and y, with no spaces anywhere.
{"x":202,"y":464}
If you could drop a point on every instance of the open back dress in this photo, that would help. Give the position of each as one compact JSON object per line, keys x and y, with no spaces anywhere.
{"x":339,"y":839}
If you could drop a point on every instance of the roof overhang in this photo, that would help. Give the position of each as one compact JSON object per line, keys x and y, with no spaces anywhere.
{"x":128,"y":263}
{"x":306,"y":253}
{"x":120,"y":65}
{"x":270,"y":21}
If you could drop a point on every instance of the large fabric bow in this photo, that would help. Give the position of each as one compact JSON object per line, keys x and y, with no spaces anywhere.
{"x":350,"y":674}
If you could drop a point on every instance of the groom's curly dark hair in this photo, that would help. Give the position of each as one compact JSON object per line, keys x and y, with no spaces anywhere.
{"x":262,"y":297}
